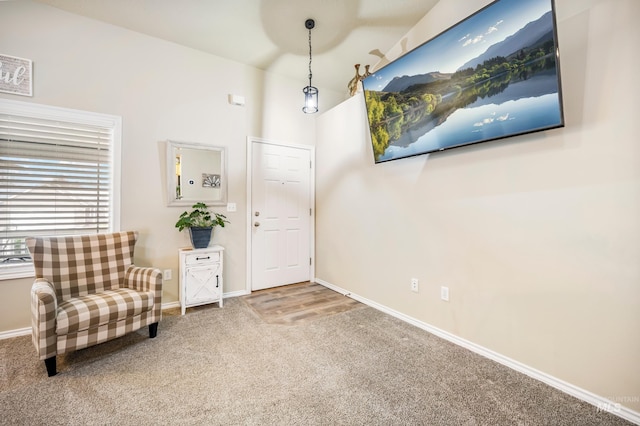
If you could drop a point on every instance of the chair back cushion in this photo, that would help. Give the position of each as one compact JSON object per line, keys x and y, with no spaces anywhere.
{"x":82,"y":264}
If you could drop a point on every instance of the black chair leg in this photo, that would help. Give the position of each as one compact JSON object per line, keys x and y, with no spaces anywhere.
{"x":50,"y":363}
{"x":153,"y":330}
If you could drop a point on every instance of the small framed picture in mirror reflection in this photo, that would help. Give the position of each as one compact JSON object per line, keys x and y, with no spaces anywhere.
{"x":210,"y":180}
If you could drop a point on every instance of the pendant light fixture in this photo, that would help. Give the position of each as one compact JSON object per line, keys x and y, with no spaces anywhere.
{"x":310,"y":92}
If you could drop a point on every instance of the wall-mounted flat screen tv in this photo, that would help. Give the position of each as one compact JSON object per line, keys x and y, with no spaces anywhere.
{"x":494,"y":75}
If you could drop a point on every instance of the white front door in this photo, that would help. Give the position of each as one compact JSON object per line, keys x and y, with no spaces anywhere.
{"x":281,"y":213}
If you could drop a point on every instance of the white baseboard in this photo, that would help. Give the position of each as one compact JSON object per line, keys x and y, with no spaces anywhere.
{"x":599,"y":402}
{"x":15,"y":333}
{"x":236,"y":294}
{"x":170,"y":305}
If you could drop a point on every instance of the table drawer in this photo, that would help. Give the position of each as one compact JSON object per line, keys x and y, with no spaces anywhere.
{"x":202,"y":258}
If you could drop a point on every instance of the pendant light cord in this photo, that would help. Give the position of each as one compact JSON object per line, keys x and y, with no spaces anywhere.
{"x":309,"y":56}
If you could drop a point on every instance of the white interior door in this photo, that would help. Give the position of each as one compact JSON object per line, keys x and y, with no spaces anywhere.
{"x":281,"y":213}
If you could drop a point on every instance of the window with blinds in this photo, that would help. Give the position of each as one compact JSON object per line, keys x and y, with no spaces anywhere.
{"x":56,"y":175}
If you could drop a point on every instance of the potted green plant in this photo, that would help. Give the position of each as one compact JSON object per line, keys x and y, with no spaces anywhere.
{"x":200,"y":223}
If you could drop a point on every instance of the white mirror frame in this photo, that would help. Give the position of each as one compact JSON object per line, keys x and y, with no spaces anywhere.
{"x":196,"y":180}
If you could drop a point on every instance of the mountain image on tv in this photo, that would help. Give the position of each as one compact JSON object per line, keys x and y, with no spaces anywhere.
{"x":492,"y":76}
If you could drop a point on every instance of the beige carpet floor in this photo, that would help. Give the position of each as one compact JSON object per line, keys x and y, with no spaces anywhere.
{"x":229,"y":367}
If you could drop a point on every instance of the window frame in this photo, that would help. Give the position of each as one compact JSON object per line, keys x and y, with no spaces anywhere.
{"x":113,"y":122}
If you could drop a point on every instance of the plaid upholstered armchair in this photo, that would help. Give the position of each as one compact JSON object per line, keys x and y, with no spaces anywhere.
{"x":88,"y":291}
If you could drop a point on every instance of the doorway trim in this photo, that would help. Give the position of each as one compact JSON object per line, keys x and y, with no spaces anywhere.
{"x":251,"y":140}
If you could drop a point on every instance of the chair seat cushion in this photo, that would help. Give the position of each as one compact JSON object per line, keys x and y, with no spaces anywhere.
{"x":96,"y":309}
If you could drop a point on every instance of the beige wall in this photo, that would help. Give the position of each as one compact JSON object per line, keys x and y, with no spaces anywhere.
{"x":537,"y":236}
{"x":163,"y":92}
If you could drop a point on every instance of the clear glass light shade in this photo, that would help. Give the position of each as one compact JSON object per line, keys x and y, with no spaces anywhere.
{"x":310,"y":100}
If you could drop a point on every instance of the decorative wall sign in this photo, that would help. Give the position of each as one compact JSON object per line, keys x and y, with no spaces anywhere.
{"x":16,"y":75}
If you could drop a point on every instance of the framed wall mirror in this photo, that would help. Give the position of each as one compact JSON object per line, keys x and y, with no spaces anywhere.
{"x":196,"y":173}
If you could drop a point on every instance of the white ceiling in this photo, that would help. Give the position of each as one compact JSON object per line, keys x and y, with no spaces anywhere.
{"x":270,"y":34}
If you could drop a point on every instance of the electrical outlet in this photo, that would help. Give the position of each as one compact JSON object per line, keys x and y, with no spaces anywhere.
{"x":166,"y":276}
{"x":414,"y":285}
{"x":231,"y":207}
{"x":444,"y":293}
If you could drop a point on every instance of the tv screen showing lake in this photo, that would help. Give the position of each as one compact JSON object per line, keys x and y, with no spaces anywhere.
{"x":507,"y":86}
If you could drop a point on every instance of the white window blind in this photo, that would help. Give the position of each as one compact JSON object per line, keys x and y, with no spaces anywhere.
{"x":56,"y":178}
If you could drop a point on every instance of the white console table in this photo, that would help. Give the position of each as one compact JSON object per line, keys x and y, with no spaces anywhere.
{"x":200,"y":276}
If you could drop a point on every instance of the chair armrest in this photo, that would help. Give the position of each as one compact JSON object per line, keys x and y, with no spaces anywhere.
{"x":146,"y":279}
{"x":44,"y":305}
{"x":143,"y":279}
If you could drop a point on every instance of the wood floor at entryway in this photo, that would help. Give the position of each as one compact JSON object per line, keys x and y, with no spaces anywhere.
{"x":295,"y":303}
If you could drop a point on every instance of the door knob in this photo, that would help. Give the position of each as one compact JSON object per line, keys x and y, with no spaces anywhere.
{"x":256,"y":224}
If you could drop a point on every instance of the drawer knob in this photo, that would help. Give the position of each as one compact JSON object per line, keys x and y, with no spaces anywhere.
{"x":256,"y":224}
